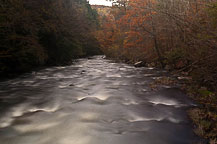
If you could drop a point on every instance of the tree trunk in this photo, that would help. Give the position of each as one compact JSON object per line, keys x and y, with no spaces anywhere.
{"x":160,"y":59}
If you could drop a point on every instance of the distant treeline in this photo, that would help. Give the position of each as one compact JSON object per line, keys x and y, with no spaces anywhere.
{"x":45,"y":32}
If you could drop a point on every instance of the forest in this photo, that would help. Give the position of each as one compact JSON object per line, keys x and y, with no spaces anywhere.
{"x":44,"y":32}
{"x":179,"y":36}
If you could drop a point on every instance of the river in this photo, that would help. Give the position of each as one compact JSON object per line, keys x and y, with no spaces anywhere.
{"x":94,"y":101}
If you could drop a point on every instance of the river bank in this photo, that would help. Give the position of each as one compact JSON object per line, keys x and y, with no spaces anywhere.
{"x":204,"y":116}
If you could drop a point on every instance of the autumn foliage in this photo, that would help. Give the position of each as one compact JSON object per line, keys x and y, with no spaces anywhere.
{"x":176,"y":34}
{"x":179,"y":36}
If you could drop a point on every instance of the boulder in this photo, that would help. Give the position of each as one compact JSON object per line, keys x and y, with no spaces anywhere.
{"x":139,"y":64}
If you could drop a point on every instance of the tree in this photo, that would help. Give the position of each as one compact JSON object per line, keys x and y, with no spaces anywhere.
{"x":45,"y":32}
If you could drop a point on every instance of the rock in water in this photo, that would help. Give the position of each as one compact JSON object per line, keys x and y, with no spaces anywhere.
{"x":139,"y":64}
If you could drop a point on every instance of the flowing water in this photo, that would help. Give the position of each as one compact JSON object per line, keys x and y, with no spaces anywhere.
{"x":94,"y":101}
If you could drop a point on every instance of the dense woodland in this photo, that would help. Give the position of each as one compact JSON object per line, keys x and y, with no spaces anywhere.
{"x":35,"y":33}
{"x":177,"y":35}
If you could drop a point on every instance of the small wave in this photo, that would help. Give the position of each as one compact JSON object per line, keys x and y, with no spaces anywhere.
{"x":52,"y":109}
{"x":35,"y":127}
{"x":5,"y":122}
{"x":9,"y":117}
{"x":98,"y":96}
{"x":163,"y":101}
{"x":113,"y":75}
{"x":138,"y":119}
{"x":20,"y":110}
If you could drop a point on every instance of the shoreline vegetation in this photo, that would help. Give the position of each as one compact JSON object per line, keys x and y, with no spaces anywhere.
{"x":179,"y":36}
{"x":44,"y":33}
{"x":204,"y":115}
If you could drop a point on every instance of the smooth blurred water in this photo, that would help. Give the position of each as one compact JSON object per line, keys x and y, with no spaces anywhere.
{"x":94,"y":101}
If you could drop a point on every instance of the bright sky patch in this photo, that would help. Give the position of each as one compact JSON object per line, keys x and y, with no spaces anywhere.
{"x":100,"y":2}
